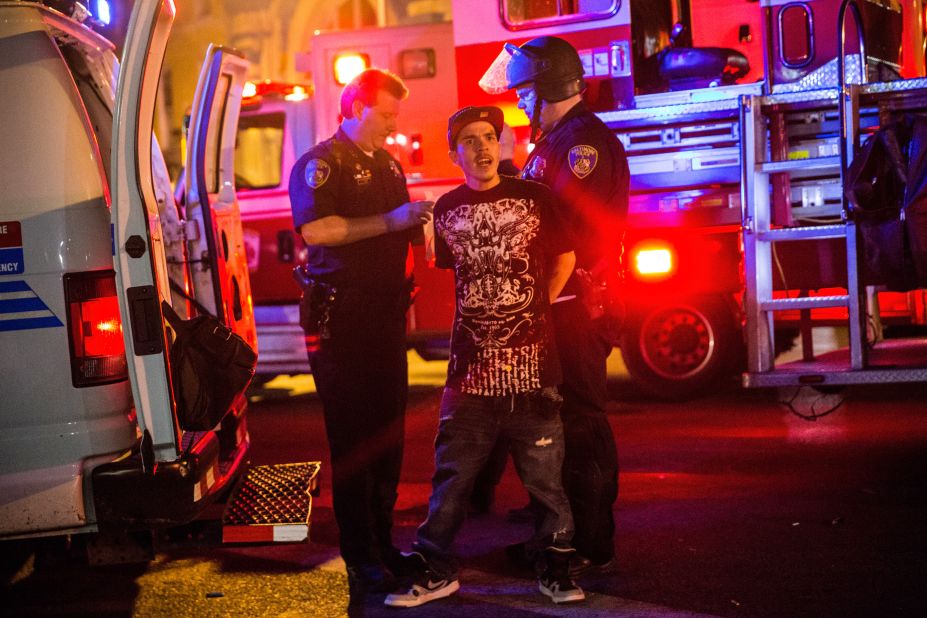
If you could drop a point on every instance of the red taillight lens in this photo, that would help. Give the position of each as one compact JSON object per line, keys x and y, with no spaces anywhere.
{"x":97,"y":350}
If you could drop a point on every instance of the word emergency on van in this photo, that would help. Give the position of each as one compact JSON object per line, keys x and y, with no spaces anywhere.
{"x":11,"y":248}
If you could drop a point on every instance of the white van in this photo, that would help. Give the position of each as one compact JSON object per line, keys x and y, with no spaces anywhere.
{"x":91,"y":242}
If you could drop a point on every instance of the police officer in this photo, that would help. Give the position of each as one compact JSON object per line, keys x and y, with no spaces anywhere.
{"x":351,"y":206}
{"x":585,"y":164}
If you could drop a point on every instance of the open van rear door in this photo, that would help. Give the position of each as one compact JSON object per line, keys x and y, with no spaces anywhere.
{"x":139,"y":259}
{"x":215,"y":261}
{"x":215,"y":244}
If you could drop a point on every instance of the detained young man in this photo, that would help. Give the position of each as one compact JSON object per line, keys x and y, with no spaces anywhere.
{"x":501,"y":237}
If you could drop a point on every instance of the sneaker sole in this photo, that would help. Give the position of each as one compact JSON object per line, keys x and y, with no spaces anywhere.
{"x":438,"y":594}
{"x":579,"y":595}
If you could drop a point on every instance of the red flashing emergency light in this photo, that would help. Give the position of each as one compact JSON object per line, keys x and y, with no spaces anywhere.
{"x":253,"y":91}
{"x":654,"y":261}
{"x":348,"y":65}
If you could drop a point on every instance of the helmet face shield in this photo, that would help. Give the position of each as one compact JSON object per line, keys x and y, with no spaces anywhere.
{"x":551,"y":63}
{"x":494,"y":80}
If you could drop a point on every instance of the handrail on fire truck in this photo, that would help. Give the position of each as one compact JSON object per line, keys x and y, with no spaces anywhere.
{"x":847,"y":147}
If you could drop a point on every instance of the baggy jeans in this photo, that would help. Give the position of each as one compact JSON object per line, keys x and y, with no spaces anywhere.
{"x":468,"y":429}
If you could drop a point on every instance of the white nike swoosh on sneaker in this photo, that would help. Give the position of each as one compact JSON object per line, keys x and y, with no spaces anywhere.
{"x":422,"y":593}
{"x":434,"y":585}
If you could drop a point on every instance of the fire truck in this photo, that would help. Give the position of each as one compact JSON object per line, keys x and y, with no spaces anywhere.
{"x":739,"y":132}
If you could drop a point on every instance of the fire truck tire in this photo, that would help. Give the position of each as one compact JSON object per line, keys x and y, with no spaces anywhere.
{"x":678,"y":350}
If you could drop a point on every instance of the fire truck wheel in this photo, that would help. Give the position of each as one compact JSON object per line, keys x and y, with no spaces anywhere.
{"x":676,"y":351}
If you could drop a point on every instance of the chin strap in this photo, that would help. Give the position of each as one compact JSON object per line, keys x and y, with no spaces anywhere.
{"x":535,"y":120}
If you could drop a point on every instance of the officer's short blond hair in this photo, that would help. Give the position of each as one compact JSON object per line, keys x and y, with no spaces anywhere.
{"x":366,"y":86}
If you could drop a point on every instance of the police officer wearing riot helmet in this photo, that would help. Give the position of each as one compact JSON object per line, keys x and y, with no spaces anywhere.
{"x":351,"y":206}
{"x":585,"y":164}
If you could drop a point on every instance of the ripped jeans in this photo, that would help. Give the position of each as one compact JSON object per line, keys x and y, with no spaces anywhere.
{"x":468,"y":429}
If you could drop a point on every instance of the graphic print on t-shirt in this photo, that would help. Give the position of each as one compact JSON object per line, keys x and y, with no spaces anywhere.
{"x":489,"y":242}
{"x":499,"y":332}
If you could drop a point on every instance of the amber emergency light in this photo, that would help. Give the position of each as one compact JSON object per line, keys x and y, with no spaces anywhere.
{"x":348,"y":65}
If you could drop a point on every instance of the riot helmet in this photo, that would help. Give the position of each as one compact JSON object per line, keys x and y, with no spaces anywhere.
{"x":550,"y":63}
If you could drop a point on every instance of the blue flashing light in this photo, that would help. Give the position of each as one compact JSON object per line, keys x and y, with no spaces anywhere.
{"x":103,"y":13}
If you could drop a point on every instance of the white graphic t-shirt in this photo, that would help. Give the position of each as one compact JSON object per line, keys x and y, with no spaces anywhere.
{"x":499,"y":243}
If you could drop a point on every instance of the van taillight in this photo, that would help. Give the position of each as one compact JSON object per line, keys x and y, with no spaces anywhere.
{"x":98,"y":353}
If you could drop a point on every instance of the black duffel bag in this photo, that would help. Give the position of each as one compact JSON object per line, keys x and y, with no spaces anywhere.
{"x":210,"y":367}
{"x":915,"y":198}
{"x":875,"y":187}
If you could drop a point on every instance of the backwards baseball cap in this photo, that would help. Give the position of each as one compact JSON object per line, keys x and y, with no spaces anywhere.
{"x":463,"y":117}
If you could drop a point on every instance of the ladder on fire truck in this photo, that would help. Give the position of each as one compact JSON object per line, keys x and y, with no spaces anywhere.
{"x":775,"y":153}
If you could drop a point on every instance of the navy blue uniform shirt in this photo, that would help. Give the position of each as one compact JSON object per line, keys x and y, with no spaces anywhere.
{"x":583,"y":162}
{"x":336,"y":177}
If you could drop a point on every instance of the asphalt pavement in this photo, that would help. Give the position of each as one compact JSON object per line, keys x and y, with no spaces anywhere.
{"x":730,"y":505}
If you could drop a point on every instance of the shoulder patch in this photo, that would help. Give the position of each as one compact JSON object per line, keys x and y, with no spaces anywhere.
{"x":583,"y":160}
{"x":317,"y":172}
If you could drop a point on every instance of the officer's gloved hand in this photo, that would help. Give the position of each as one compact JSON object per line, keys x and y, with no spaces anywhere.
{"x":408,"y":215}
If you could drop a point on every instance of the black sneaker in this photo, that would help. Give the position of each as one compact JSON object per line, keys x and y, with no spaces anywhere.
{"x":555,"y":581}
{"x":560,"y":589}
{"x":426,"y":588}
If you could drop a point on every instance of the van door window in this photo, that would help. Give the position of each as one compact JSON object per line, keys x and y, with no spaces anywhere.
{"x":259,"y":151}
{"x":521,"y":14}
{"x":213,"y":137}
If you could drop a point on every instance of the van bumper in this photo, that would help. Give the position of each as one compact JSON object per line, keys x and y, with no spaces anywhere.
{"x":175,"y":492}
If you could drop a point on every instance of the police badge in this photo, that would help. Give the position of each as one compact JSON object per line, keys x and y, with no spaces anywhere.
{"x":582,"y":160}
{"x":317,"y":172}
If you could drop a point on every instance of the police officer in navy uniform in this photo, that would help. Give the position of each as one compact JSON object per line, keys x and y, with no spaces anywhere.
{"x":351,"y":206}
{"x":584,"y":163}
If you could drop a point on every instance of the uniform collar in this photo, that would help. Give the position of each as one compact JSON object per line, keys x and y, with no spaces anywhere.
{"x":341,"y":135}
{"x":573,"y":112}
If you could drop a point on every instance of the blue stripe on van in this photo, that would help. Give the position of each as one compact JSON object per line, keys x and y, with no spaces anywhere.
{"x":30,"y":323}
{"x":14,"y":286}
{"x":18,"y":305}
{"x":13,"y":310}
